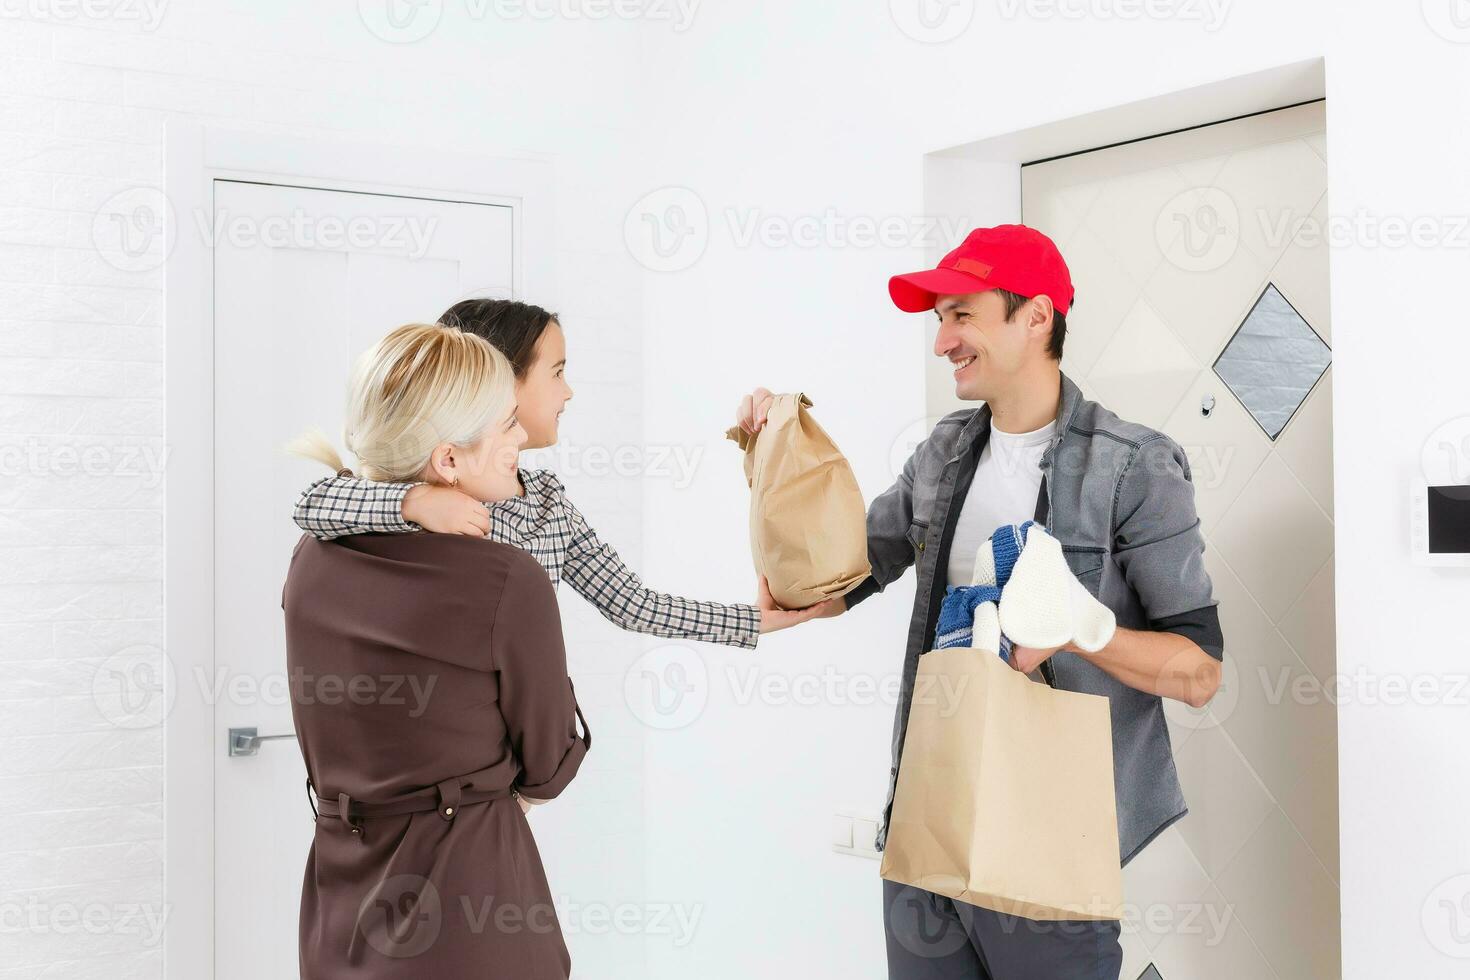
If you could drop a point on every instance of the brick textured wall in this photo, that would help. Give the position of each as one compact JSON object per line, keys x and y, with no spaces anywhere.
{"x":84,"y":96}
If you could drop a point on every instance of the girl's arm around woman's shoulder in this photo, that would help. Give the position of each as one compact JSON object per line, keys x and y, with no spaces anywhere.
{"x":339,"y":505}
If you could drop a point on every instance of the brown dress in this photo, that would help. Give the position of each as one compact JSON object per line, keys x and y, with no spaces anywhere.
{"x":428,"y":685}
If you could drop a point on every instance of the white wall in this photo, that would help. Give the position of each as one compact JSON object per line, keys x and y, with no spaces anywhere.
{"x":775,"y":110}
{"x":83,"y":100}
{"x":1395,"y":124}
{"x":789,"y":110}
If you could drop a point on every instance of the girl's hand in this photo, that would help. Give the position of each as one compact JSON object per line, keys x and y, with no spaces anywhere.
{"x":445,"y":510}
{"x":774,"y":618}
{"x":525,"y":804}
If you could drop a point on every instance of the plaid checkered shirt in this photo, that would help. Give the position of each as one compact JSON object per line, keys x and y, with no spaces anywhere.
{"x":546,"y":524}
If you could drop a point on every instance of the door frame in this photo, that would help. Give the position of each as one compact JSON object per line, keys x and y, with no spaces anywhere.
{"x":195,"y":156}
{"x":977,"y":182}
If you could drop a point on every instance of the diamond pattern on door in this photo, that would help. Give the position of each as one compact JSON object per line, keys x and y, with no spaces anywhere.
{"x":1274,"y":187}
{"x":1202,"y":311}
{"x":1143,"y":390}
{"x":1273,"y":361}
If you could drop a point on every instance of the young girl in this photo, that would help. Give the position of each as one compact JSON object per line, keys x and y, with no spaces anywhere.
{"x":541,"y":519}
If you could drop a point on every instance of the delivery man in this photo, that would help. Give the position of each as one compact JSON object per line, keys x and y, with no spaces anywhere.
{"x":1116,"y":494}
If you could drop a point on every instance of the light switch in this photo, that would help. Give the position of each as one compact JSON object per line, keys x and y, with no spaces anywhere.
{"x":854,"y":831}
{"x":842,"y":831}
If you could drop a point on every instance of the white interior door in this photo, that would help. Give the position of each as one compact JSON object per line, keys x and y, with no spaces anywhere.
{"x":1200,"y":262}
{"x":304,"y":280}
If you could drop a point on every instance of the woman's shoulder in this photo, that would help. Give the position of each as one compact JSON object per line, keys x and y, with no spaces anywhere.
{"x":460,"y":553}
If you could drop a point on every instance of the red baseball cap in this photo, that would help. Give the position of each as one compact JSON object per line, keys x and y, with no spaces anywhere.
{"x":1012,"y":257}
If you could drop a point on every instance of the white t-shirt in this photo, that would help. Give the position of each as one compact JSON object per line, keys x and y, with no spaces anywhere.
{"x":1007,"y":481}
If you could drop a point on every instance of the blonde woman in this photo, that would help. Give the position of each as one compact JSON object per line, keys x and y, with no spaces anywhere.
{"x":429,"y":692}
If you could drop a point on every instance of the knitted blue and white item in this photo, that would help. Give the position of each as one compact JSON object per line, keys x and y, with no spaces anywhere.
{"x":1006,"y":543}
{"x":957,"y":613}
{"x":1046,"y":607}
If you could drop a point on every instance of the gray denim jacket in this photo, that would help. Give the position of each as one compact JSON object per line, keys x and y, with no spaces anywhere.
{"x":1121,"y":503}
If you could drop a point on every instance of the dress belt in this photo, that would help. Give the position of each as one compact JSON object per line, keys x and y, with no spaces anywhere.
{"x":448,"y":797}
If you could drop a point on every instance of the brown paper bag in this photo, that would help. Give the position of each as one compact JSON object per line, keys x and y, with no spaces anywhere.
{"x":808,"y":523}
{"x":1005,"y":793}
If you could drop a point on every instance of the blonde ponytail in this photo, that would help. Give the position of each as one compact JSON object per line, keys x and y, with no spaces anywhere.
{"x":314,"y":444}
{"x":421,"y":386}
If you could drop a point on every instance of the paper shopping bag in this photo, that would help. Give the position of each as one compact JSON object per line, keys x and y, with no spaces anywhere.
{"x":808,"y":523}
{"x":1005,"y":793}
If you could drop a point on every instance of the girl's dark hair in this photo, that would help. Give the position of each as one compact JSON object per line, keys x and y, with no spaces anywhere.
{"x":512,"y":327}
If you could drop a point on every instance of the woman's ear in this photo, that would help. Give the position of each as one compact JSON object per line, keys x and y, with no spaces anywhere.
{"x":443,"y":466}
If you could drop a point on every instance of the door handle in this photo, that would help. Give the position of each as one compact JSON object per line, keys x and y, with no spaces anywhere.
{"x":245,"y":741}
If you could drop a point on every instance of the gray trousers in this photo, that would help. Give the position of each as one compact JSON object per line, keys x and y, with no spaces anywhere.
{"x":931,"y":937}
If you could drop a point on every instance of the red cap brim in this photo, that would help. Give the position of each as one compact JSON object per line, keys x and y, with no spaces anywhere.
{"x":915,"y":292}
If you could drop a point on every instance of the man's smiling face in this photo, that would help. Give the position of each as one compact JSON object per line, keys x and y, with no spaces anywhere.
{"x":985,"y":348}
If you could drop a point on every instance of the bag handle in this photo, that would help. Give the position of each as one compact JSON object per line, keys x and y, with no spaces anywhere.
{"x":1043,"y":511}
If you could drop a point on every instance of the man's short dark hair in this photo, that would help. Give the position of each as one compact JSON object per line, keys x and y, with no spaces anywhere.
{"x":1014,"y":301}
